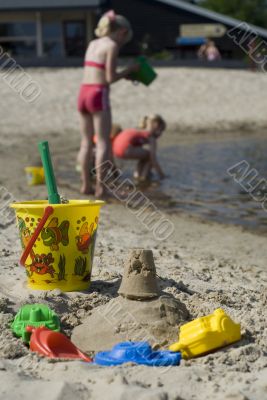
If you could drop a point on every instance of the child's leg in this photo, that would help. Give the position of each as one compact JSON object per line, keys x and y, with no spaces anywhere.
{"x":102,"y":127}
{"x":85,"y":153}
{"x":143,"y":155}
{"x":137,"y":153}
{"x":139,"y":168}
{"x":146,"y":169}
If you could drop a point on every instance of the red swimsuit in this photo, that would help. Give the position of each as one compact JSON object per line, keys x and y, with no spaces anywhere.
{"x":94,"y":64}
{"x":93,"y":97}
{"x":127,"y":138}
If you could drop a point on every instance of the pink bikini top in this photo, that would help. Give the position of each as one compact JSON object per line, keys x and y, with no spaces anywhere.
{"x":94,"y":64}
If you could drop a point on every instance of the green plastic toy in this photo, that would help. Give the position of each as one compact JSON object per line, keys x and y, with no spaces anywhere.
{"x":146,"y":74}
{"x":50,"y":180}
{"x":35,"y":315}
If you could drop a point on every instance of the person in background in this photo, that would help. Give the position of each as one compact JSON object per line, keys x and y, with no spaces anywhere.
{"x":129,"y":144}
{"x":100,"y":71}
{"x":209,"y":51}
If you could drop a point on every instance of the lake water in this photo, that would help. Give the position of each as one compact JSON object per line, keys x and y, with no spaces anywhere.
{"x":199,"y":182}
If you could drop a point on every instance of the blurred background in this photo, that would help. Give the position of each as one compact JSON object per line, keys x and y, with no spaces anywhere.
{"x":56,"y":32}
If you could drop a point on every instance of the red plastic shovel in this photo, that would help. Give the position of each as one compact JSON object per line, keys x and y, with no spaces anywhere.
{"x":54,"y":345}
{"x":47,"y":212}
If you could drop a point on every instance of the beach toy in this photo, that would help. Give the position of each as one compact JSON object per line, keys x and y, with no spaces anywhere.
{"x":58,"y":242}
{"x":31,"y":242}
{"x":206,"y":334}
{"x":53,"y":196}
{"x":138,"y":353}
{"x":35,"y":175}
{"x":146,"y":73}
{"x":139,"y":280}
{"x":35,"y":315}
{"x":54,"y":345}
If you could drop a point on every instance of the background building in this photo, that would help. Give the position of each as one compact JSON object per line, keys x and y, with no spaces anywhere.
{"x":45,"y":31}
{"x":56,"y":32}
{"x":162,"y":22}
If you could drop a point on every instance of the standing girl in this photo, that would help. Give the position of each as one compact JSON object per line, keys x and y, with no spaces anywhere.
{"x":129,"y":145}
{"x":113,"y":31}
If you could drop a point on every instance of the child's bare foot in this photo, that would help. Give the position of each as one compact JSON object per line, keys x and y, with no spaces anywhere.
{"x":103,"y":195}
{"x":86,"y":190}
{"x":136,"y":175}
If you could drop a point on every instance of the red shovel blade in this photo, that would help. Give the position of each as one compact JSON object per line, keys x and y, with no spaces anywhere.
{"x":53,"y":344}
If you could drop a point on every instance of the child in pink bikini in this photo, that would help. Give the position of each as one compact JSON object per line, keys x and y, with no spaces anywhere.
{"x":129,"y":145}
{"x":113,"y":32}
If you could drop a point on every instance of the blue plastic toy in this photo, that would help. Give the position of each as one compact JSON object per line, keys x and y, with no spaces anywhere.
{"x":138,"y":353}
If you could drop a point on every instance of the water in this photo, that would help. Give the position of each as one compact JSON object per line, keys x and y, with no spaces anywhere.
{"x":199,"y":182}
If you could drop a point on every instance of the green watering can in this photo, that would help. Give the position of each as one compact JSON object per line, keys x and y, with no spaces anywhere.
{"x":146,"y":74}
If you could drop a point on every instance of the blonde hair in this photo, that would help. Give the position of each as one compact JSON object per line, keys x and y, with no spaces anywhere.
{"x":111,"y":22}
{"x":152,"y":118}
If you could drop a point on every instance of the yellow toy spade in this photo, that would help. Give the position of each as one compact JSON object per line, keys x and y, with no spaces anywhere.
{"x":206,"y":334}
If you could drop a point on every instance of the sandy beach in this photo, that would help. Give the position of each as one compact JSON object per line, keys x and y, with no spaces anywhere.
{"x":191,"y":100}
{"x":204,"y":265}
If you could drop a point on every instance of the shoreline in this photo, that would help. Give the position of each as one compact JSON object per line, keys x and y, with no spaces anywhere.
{"x":15,"y":180}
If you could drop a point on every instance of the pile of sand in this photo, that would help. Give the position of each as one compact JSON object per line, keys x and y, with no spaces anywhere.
{"x":122,"y":320}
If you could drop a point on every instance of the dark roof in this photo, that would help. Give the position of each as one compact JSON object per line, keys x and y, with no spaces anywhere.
{"x":14,"y":5}
{"x":224,"y":19}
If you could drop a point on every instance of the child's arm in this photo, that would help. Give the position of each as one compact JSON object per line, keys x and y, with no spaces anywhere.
{"x":201,"y":51}
{"x":153,"y":157}
{"x":111,"y":64}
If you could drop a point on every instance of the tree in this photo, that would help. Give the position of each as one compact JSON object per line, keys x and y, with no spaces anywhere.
{"x":251,"y":11}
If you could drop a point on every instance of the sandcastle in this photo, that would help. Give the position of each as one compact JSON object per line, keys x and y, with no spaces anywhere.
{"x":141,"y":312}
{"x":139,"y":278}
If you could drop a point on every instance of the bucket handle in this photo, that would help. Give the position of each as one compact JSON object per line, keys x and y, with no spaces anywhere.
{"x":47,"y":212}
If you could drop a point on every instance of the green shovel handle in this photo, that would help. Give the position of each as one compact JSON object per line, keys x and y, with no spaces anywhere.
{"x":53,"y":196}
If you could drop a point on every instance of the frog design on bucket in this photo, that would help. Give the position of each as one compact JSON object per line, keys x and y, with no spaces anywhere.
{"x":55,"y":234}
{"x":42,"y":264}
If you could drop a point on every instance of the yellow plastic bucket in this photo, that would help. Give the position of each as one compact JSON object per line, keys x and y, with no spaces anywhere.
{"x":62,"y":254}
{"x":35,"y":175}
